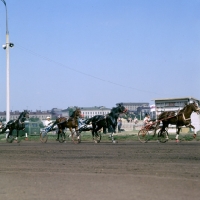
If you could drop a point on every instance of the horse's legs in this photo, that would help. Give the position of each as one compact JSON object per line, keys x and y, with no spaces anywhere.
{"x":111,"y":134}
{"x":177,"y":133}
{"x":94,"y":127}
{"x":163,"y":129}
{"x":58,"y":135}
{"x":8,"y":137}
{"x":17,"y":134}
{"x":77,"y":133}
{"x":156,"y":128}
{"x":71,"y":131}
{"x":10,"y":133}
{"x":93,"y":130}
{"x":93,"y":133}
{"x":195,"y":133}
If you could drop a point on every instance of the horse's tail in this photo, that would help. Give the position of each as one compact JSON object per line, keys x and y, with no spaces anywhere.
{"x":4,"y":130}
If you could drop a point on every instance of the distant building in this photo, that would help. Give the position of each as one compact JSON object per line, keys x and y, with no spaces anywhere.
{"x":42,"y":115}
{"x":13,"y":115}
{"x":153,"y":111}
{"x":96,"y":110}
{"x":65,"y":112}
{"x":88,"y":111}
{"x":142,"y":111}
{"x":56,"y":112}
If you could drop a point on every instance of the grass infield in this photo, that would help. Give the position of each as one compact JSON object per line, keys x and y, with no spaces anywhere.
{"x":123,"y":136}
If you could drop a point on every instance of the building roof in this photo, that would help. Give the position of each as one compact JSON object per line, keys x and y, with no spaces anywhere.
{"x":172,"y":99}
{"x":89,"y":108}
{"x":95,"y":108}
{"x":131,"y":103}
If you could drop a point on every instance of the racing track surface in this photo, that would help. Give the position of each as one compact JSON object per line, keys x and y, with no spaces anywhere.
{"x":105,"y":171}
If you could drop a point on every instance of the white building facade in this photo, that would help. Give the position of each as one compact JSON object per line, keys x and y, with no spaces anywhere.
{"x":89,"y":112}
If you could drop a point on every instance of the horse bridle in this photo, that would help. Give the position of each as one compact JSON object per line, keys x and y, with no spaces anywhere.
{"x":197,"y":109}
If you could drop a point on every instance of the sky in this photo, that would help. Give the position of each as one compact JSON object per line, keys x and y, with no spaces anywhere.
{"x":99,"y":52}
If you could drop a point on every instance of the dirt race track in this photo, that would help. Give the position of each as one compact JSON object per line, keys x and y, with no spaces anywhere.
{"x":105,"y":171}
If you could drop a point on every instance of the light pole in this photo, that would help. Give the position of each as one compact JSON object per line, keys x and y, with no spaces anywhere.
{"x":6,"y":46}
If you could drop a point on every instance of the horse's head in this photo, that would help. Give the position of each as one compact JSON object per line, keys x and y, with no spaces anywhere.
{"x":25,"y":114}
{"x":195,"y":107}
{"x":77,"y":113}
{"x":121,"y":109}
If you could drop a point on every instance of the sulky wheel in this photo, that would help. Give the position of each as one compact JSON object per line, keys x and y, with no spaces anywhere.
{"x":62,"y":137}
{"x":97,"y":137}
{"x":163,"y":136}
{"x":43,"y":137}
{"x":76,"y":137}
{"x":143,"y":136}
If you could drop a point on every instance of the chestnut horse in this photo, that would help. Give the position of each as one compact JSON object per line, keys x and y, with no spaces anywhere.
{"x":182,"y":118}
{"x":71,"y":123}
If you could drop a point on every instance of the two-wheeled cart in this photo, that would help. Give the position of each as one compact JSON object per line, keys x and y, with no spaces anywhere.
{"x":152,"y":131}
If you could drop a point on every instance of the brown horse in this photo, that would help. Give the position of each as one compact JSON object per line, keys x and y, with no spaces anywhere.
{"x":182,"y":118}
{"x":71,"y":123}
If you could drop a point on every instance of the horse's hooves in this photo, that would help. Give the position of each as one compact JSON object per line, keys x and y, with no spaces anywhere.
{"x":114,"y":141}
{"x":9,"y":140}
{"x":16,"y":140}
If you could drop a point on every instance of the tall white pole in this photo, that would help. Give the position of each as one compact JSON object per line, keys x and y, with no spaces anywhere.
{"x":7,"y":79}
{"x":7,"y":68}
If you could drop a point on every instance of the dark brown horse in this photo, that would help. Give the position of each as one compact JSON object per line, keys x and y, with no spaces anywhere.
{"x":182,"y":118}
{"x":71,"y":123}
{"x":108,"y":121}
{"x":17,"y":124}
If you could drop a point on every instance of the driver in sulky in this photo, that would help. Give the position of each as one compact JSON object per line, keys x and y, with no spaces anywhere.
{"x":147,"y":120}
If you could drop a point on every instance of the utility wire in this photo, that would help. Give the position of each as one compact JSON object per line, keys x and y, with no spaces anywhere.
{"x":80,"y":72}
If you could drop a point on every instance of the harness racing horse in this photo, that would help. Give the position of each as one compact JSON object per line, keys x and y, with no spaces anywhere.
{"x":182,"y":118}
{"x":71,"y":123}
{"x":108,"y":121}
{"x":17,"y":124}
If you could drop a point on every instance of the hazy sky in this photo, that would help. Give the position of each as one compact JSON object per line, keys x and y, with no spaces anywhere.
{"x":99,"y":52}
